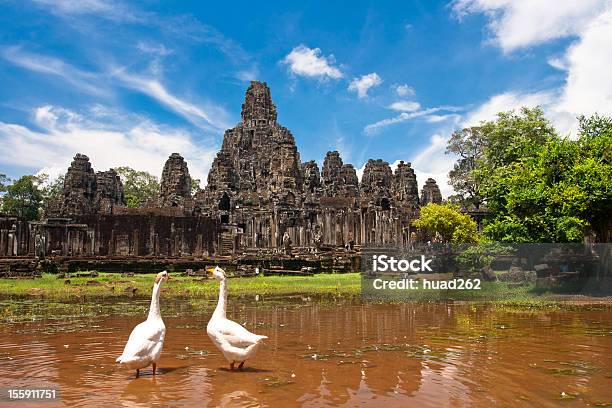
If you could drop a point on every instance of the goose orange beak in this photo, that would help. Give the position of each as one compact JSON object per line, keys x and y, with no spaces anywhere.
{"x":210,"y":270}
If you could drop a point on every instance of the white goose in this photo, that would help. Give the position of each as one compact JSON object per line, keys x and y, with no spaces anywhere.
{"x":147,"y":339}
{"x":235,"y":342}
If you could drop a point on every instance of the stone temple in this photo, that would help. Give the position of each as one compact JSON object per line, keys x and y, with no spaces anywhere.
{"x":259,"y":196}
{"x":259,"y":185}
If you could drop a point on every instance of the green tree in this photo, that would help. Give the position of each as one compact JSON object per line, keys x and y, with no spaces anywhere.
{"x":4,"y":182}
{"x":195,"y":186}
{"x":50,"y":190}
{"x":139,"y":186}
{"x":514,"y":136}
{"x":469,"y":145}
{"x":23,"y":198}
{"x":491,"y":147}
{"x":558,"y":192}
{"x":447,"y":221}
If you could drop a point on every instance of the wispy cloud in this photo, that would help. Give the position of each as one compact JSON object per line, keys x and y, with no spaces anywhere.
{"x":191,"y":29}
{"x":101,"y":83}
{"x":156,"y":49}
{"x":111,"y":10}
{"x":183,"y":28}
{"x":364,"y":83}
{"x":154,"y":89}
{"x":402,"y":117}
{"x":310,"y":62}
{"x":82,"y":80}
{"x":373,"y":128}
{"x":443,"y":118}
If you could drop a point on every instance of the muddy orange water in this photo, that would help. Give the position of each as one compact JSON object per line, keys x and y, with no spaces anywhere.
{"x":320,"y":355}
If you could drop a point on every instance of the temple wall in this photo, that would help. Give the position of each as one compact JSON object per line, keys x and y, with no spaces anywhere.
{"x":14,"y":239}
{"x":143,"y":234}
{"x":265,"y":229}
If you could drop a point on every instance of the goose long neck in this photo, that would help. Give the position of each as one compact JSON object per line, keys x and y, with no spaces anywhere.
{"x":220,"y":309}
{"x":154,"y":312}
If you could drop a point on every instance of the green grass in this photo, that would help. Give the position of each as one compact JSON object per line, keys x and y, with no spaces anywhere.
{"x":110,"y":285}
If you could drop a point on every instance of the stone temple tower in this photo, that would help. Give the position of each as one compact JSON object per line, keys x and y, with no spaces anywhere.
{"x":259,"y":190}
{"x":431,"y":193}
{"x":258,"y":162}
{"x":258,"y":109}
{"x":175,"y":186}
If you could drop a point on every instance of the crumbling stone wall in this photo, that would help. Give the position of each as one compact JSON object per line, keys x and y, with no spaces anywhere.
{"x":14,"y":237}
{"x":139,"y":232}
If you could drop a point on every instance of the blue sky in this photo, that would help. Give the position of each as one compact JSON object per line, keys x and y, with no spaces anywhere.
{"x":130,"y":83}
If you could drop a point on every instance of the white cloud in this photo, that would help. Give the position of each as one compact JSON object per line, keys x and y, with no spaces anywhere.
{"x":587,"y":61}
{"x":588,"y":87}
{"x":364,"y":83}
{"x":518,"y":24}
{"x":138,"y":143}
{"x":405,"y":106}
{"x":433,"y":162}
{"x":360,"y":171}
{"x":404,"y":90}
{"x":587,"y":90}
{"x":310,"y":62}
{"x":505,"y":102}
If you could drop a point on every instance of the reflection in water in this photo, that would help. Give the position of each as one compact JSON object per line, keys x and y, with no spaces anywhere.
{"x":429,"y":354}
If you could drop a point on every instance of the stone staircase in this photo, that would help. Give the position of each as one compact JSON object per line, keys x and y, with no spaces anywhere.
{"x":226,"y":243}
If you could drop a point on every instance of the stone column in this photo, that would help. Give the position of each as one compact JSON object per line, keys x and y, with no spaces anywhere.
{"x":3,"y":242}
{"x":136,"y":242}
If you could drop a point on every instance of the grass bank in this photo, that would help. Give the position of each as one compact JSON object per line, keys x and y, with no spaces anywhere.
{"x":114,"y":285}
{"x":109,"y":286}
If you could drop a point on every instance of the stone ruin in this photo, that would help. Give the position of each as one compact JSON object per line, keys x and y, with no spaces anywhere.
{"x":258,"y":185}
{"x":86,"y":191}
{"x":259,"y":195}
{"x":431,"y":193}
{"x":175,"y":186}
